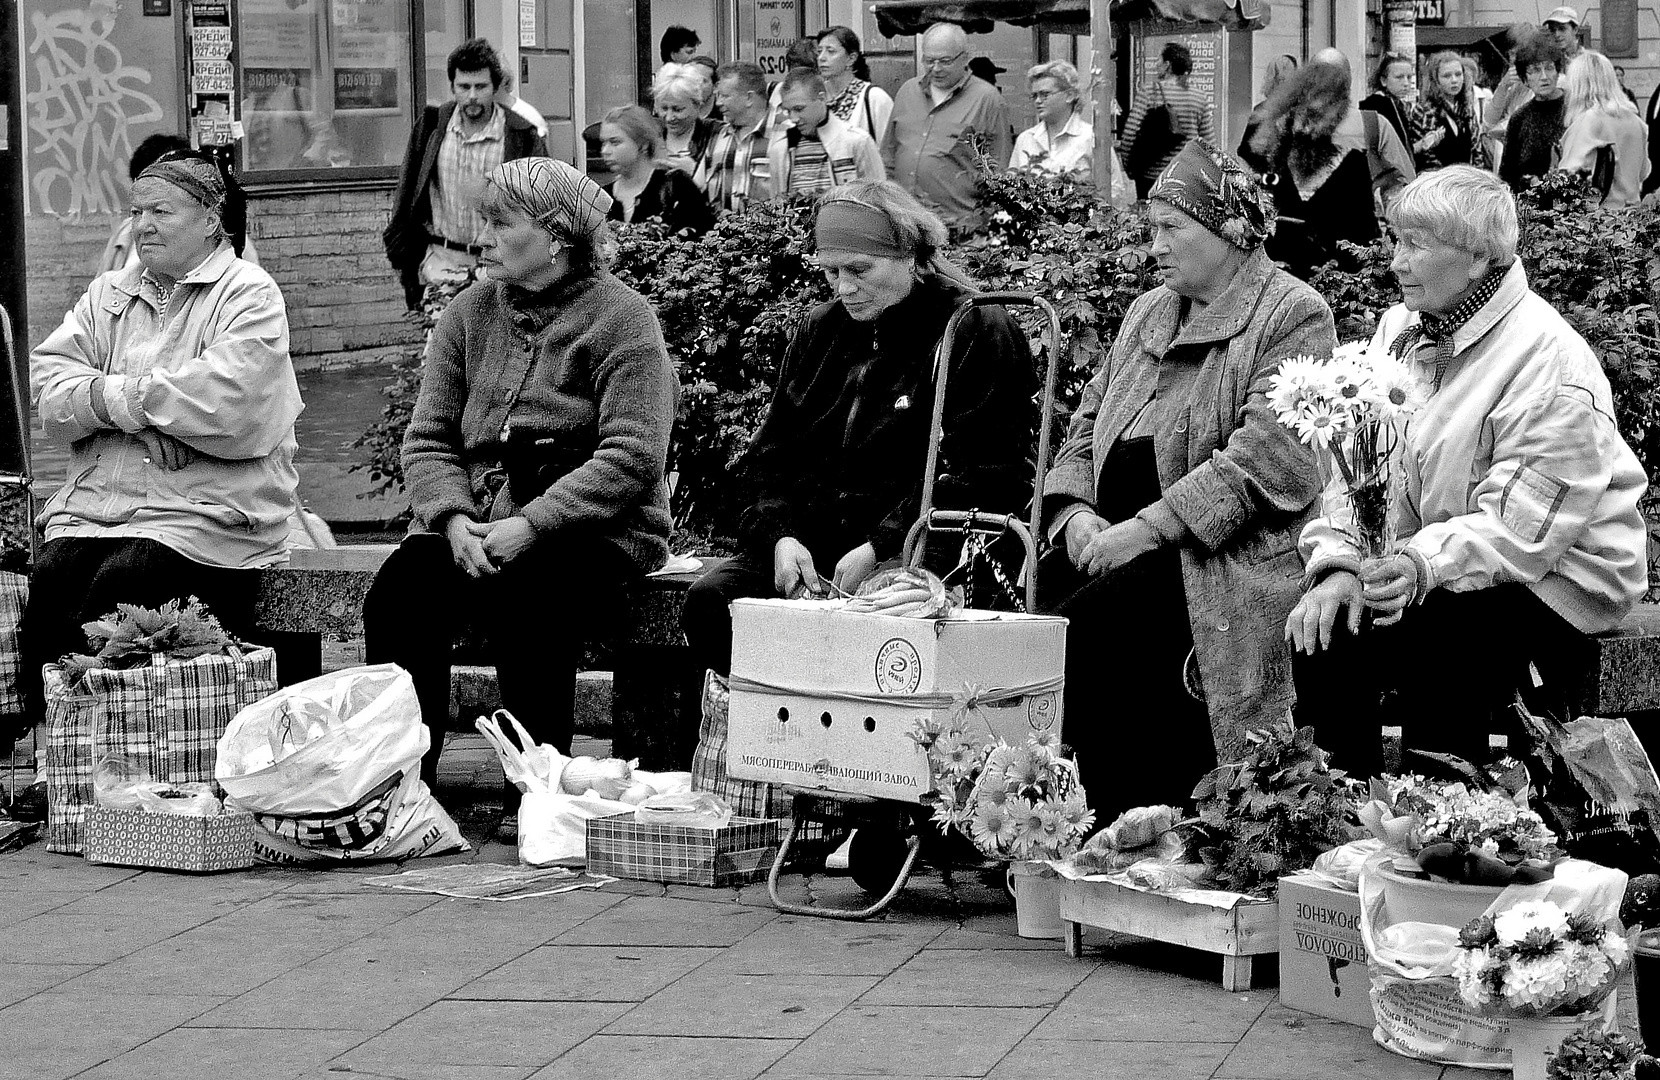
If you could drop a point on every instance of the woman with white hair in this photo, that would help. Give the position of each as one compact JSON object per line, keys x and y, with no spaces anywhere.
{"x":1061,"y":142}
{"x":1603,"y":134}
{"x":1516,"y":528}
{"x":681,"y":97}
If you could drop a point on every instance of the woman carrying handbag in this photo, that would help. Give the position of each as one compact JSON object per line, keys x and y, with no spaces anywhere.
{"x":1156,"y":132}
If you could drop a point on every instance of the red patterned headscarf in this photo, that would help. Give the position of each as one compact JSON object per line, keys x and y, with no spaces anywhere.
{"x":1212,"y":188}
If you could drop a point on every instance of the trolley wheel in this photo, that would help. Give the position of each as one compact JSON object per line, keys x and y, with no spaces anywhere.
{"x":876,"y":856}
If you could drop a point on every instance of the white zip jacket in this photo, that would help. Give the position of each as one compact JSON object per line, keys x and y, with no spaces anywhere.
{"x":1514,"y":471}
{"x":852,"y":153}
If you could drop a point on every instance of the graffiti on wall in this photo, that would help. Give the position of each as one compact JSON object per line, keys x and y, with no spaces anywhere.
{"x":83,"y":101}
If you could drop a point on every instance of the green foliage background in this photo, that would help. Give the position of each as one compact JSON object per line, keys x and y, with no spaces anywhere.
{"x":729,"y":300}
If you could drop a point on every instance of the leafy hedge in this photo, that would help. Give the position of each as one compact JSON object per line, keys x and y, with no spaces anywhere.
{"x":729,"y":300}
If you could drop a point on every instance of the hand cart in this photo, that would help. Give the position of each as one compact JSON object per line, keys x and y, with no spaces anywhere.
{"x":889,"y":837}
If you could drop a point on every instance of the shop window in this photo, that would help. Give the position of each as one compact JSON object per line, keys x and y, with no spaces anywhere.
{"x":325,"y":84}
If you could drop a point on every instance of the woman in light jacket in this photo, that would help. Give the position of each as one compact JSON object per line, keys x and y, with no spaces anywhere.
{"x":1517,"y":523}
{"x":1602,"y":127}
{"x":171,"y":384}
{"x":1176,"y":501}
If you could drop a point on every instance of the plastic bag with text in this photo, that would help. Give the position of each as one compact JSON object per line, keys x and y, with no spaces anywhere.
{"x":331,"y":770}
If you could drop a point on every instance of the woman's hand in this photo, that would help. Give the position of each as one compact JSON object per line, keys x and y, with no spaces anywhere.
{"x":1388,"y":587}
{"x":792,"y":569}
{"x":466,"y":539}
{"x":1118,"y":544}
{"x":1080,"y":529}
{"x":1310,"y":623}
{"x":854,"y":567}
{"x":164,"y":450}
{"x":1430,"y":141}
{"x":507,"y":539}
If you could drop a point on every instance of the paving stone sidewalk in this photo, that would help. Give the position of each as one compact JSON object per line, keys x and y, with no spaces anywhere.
{"x":282,"y":974}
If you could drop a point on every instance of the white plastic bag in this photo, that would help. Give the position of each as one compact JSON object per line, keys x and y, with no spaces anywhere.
{"x":553,"y":826}
{"x":331,"y":770}
{"x":687,"y":810}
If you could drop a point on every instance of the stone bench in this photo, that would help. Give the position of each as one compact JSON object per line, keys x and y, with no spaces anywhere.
{"x":320,"y":594}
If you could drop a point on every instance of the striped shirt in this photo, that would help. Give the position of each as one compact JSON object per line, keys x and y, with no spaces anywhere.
{"x":810,"y":167}
{"x":1191,"y":107}
{"x":734,"y":169}
{"x":463,"y":163}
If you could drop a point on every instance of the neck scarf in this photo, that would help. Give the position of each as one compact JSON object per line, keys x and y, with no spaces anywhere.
{"x":1438,"y":330}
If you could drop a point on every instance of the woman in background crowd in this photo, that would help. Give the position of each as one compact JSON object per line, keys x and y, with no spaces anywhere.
{"x":1061,"y":142}
{"x":1603,"y":134}
{"x":1175,"y":502}
{"x":534,"y":458}
{"x":645,"y":188}
{"x":1274,"y":75}
{"x":854,"y":99}
{"x":1446,"y":118}
{"x":171,"y":385}
{"x":1534,"y":133}
{"x":680,"y":97}
{"x":1189,"y":109}
{"x":1392,"y":91}
{"x":1517,"y":522}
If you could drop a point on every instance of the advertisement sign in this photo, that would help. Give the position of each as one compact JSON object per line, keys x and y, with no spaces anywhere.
{"x":366,"y":42}
{"x":775,"y":28}
{"x":212,"y":77}
{"x":1400,"y":19}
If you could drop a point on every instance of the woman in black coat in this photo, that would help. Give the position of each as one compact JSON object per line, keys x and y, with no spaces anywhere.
{"x":836,"y":467}
{"x":645,"y":189}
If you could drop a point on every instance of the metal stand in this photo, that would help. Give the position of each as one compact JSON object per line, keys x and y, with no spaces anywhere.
{"x":802,"y":802}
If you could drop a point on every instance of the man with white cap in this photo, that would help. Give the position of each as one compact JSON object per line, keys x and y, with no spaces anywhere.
{"x":1562,"y":25}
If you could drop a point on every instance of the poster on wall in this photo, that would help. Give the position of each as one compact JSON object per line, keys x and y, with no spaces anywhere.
{"x":280,"y":50}
{"x":1210,"y":68}
{"x":775,"y":23}
{"x":366,"y":41}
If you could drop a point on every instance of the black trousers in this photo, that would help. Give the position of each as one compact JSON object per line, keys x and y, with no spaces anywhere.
{"x":536,"y":613}
{"x":77,"y":579}
{"x":1447,"y":674}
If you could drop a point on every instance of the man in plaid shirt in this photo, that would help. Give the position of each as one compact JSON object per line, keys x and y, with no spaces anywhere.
{"x":432,"y":239}
{"x":734,"y":168}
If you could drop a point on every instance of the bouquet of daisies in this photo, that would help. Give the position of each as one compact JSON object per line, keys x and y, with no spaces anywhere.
{"x":1013,"y":802}
{"x":1352,"y":407}
{"x":1534,"y":959}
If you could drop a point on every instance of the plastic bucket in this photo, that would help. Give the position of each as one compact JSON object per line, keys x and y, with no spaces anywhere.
{"x":1646,"y":965}
{"x":1409,"y":899}
{"x":1037,"y":905}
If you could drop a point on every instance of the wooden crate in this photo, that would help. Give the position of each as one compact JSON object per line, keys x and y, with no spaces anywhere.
{"x":1248,"y":929}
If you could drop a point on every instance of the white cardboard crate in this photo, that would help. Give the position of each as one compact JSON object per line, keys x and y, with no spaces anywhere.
{"x":809,"y":734}
{"x":1249,"y":928}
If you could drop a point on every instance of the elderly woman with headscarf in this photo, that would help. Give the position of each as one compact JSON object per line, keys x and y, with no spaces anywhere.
{"x":1176,"y":500}
{"x":534,"y":458}
{"x":1517,"y":524}
{"x":835,"y":469}
{"x":171,"y":385}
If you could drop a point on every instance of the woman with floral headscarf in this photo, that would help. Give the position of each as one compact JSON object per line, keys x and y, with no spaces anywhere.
{"x":171,"y":386}
{"x":534,"y":459}
{"x":1176,"y":500}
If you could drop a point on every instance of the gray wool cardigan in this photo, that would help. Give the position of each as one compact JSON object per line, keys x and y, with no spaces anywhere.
{"x":592,"y":376}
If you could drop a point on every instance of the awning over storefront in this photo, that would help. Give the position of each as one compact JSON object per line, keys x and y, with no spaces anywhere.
{"x":898,"y":17}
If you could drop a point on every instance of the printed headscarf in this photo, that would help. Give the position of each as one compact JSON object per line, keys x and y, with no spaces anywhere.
{"x":556,"y":196}
{"x":1212,"y":188}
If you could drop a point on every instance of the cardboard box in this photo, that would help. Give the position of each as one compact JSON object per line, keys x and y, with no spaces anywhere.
{"x":813,"y":713}
{"x":1322,"y":959}
{"x":740,"y":853}
{"x":169,"y":841}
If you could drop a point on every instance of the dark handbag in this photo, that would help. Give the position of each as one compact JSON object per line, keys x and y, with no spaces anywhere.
{"x":1602,"y":170}
{"x":1158,"y":136}
{"x":535,"y":464}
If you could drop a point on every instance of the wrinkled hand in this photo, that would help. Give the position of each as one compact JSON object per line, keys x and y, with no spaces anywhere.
{"x":792,"y":569}
{"x":854,"y":567}
{"x":1310,"y":623}
{"x":1388,"y":587}
{"x":507,"y":539}
{"x":466,"y":539}
{"x":1118,"y":544}
{"x":1080,"y":529}
{"x":164,"y":450}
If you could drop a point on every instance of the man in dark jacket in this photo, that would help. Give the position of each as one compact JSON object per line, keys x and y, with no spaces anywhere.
{"x":432,"y":239}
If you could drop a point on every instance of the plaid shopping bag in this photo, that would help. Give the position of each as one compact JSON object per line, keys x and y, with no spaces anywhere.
{"x":165,"y":718}
{"x":14,"y":597}
{"x":751,"y":798}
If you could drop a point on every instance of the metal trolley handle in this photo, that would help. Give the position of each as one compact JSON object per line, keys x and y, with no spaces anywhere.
{"x":930,"y":518}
